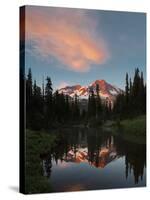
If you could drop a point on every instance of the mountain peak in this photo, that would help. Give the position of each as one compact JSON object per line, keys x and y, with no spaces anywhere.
{"x":107,"y":91}
{"x":100,"y":81}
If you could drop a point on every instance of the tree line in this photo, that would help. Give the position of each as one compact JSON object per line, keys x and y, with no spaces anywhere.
{"x":132,"y":102}
{"x":46,"y":108}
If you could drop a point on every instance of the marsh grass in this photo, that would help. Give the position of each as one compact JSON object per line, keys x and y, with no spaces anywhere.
{"x":136,"y":126}
{"x":134,"y":129}
{"x":36,"y":143}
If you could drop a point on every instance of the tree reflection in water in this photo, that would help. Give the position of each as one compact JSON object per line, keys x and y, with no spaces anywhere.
{"x":96,"y":148}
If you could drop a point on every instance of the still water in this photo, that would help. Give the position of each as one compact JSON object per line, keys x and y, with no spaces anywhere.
{"x":89,"y":159}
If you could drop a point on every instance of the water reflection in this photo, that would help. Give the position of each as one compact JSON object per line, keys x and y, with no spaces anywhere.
{"x":135,"y":157}
{"x":98,"y":150}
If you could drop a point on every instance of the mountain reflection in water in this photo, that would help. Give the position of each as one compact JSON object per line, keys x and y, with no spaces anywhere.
{"x":103,"y":155}
{"x":94,"y":157}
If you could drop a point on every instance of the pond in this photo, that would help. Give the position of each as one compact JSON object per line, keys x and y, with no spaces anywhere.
{"x":90,"y":159}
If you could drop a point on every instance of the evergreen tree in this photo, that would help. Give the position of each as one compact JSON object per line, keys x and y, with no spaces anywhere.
{"x":126,"y":106}
{"x":91,"y":104}
{"x":119,"y":106}
{"x":130,"y":90}
{"x":136,"y":92}
{"x":144,"y":99}
{"x":56,"y":105}
{"x":48,"y":102}
{"x":67,"y":108}
{"x":29,"y":98}
{"x":29,"y":89}
{"x":76,"y":108}
{"x":98,"y":103}
{"x":142,"y":94}
{"x":97,"y":100}
{"x":133,"y":101}
{"x":83,"y":115}
{"x":37,"y":108}
{"x":127,"y":89}
{"x":62,"y":106}
{"x":130,"y":105}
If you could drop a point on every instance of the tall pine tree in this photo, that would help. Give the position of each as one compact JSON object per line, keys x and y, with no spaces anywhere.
{"x":29,"y":93}
{"x":48,"y":102}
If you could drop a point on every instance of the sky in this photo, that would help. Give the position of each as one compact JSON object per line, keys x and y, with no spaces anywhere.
{"x":79,"y":46}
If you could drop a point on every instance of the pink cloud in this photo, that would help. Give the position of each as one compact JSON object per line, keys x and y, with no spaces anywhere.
{"x":67,"y":35}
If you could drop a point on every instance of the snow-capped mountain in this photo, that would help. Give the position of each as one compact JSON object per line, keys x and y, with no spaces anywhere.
{"x":107,"y":91}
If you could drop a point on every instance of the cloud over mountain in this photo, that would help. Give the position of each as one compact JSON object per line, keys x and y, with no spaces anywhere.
{"x":68,"y":36}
